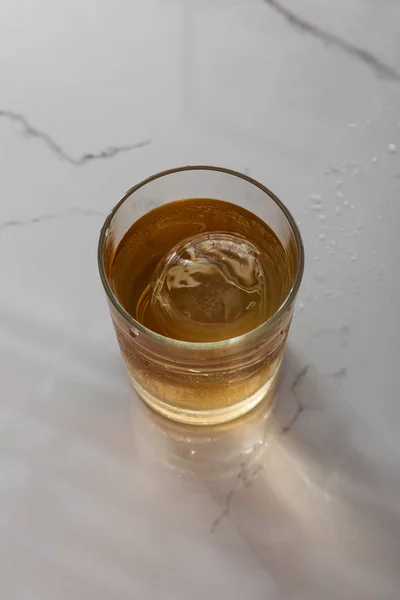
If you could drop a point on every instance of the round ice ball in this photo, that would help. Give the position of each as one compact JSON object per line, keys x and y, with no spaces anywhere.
{"x":209,"y":288}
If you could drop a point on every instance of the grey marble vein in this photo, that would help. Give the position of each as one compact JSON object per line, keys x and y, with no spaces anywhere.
{"x":300,"y":406}
{"x":85,"y":212}
{"x":248,"y":478}
{"x":244,"y":479}
{"x":30,"y":221}
{"x":339,"y":374}
{"x":54,"y":147}
{"x":331,"y":39}
{"x":224,"y":513}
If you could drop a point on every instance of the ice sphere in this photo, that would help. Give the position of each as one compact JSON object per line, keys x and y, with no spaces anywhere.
{"x":208,"y":288}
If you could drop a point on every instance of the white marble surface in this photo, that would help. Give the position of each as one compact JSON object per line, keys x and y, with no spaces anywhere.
{"x":98,"y":499}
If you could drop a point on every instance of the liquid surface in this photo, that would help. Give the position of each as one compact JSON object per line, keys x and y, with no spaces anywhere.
{"x":201,"y":270}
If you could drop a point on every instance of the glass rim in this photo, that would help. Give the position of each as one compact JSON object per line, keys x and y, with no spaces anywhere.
{"x":142,"y":329}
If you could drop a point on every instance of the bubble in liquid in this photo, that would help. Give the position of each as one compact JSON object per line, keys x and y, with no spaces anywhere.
{"x":209,"y":287}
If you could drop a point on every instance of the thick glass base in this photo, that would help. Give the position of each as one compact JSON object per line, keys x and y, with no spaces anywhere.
{"x":207,"y":417}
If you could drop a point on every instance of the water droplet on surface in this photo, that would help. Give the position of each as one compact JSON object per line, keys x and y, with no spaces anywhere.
{"x":346,"y":203}
{"x":317,"y":207}
{"x":301,"y":306}
{"x":352,"y":206}
{"x":339,"y":182}
{"x":374,"y":159}
{"x":339,"y":194}
{"x":316,"y":197}
{"x":338,"y":210}
{"x":352,"y":125}
{"x":322,"y":217}
{"x":392,"y":148}
{"x":321,"y":236}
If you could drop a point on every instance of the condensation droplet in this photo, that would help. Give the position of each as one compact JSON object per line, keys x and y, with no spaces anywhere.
{"x":315,"y":197}
{"x":338,"y":210}
{"x":346,"y":202}
{"x":317,"y":206}
{"x":301,"y":306}
{"x":339,"y":194}
{"x":374,"y":159}
{"x":392,"y":148}
{"x":352,"y":206}
{"x":322,"y":217}
{"x":321,"y":236}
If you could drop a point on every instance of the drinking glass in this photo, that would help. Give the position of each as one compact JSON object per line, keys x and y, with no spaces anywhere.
{"x":207,"y":382}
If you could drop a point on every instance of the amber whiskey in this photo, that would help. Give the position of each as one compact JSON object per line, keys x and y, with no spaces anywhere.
{"x":202,"y":270}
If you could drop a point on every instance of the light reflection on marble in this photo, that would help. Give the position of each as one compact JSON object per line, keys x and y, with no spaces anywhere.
{"x":214,"y":456}
{"x":296,"y":489}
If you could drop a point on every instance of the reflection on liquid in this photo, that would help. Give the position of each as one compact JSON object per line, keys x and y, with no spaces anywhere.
{"x":210,"y":454}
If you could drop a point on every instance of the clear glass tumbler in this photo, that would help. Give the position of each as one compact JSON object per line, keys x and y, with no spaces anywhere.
{"x":207,"y":382}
